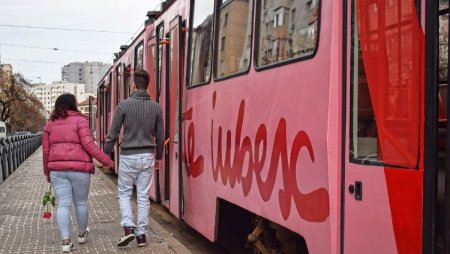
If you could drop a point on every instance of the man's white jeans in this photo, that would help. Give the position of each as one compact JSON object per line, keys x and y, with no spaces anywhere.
{"x":137,"y":169}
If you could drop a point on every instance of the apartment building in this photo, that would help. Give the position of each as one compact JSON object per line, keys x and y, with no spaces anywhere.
{"x":47,"y":93}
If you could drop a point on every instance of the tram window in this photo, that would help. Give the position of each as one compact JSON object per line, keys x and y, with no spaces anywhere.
{"x":287,"y":30}
{"x":385,"y":69}
{"x":159,"y":57}
{"x":101,"y":99}
{"x":109,"y":94}
{"x":126,"y":83}
{"x":152,"y":56}
{"x":443,"y":47}
{"x":443,"y":69}
{"x":235,"y":33}
{"x":139,"y":56}
{"x":118,"y":82}
{"x":201,"y":42}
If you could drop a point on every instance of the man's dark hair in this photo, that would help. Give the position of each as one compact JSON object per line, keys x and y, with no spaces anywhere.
{"x":141,"y":79}
{"x":64,"y":103}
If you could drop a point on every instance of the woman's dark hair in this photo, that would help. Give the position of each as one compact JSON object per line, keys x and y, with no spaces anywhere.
{"x":64,"y":103}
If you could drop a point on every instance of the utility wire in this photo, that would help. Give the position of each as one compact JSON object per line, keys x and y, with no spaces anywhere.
{"x":33,"y":61}
{"x":55,"y":49}
{"x":65,"y":29}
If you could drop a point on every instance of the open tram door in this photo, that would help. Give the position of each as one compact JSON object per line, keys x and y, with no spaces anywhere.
{"x":171,"y":172}
{"x":92,"y":114}
{"x":436,"y":219}
{"x":154,"y":67}
{"x":383,"y":134}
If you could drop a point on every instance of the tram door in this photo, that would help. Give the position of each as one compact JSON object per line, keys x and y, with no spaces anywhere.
{"x":154,"y":71}
{"x":382,"y":176}
{"x":118,"y":98}
{"x":171,"y":116}
{"x":159,"y":60}
{"x":442,"y":220}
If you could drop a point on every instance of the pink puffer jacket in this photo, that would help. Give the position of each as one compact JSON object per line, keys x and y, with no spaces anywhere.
{"x":68,"y":145}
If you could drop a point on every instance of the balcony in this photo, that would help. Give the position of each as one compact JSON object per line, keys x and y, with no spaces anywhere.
{"x":281,"y":3}
{"x":280,"y":32}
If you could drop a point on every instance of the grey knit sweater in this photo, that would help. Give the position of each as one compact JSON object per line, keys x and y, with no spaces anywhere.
{"x":142,"y":123}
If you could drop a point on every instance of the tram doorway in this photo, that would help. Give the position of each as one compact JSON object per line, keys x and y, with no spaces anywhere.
{"x":443,"y":134}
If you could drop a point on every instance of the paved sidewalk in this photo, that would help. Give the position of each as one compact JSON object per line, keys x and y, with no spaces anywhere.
{"x":23,"y":230}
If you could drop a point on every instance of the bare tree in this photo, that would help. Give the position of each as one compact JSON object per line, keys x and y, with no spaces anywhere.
{"x":19,"y":109}
{"x":11,"y":91}
{"x":28,"y":115}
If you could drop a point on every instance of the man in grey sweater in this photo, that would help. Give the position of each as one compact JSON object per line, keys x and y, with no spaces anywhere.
{"x":140,"y":151}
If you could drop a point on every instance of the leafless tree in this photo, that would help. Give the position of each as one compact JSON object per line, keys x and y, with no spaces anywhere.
{"x":19,"y":109}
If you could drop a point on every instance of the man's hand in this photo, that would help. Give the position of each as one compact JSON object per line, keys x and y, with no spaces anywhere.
{"x":110,"y":167}
{"x":157,"y":164}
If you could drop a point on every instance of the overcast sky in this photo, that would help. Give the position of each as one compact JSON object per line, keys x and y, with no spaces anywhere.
{"x":106,"y":15}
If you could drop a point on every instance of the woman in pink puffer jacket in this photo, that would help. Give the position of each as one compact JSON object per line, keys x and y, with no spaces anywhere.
{"x":68,"y":149}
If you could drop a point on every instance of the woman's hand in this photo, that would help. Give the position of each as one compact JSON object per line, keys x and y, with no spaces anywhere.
{"x":97,"y":163}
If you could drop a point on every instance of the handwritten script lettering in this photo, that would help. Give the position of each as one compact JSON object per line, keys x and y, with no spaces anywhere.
{"x":312,"y":206}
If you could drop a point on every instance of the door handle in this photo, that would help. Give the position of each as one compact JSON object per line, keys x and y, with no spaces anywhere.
{"x":356,"y":189}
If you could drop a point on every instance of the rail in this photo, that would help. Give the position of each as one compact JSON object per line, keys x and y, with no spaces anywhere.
{"x":14,"y":150}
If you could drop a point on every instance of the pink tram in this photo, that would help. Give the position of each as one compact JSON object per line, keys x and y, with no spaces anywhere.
{"x":303,"y":126}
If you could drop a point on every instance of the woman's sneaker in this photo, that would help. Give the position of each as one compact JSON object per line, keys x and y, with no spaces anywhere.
{"x":127,"y":237}
{"x":68,"y":247}
{"x":141,"y":240}
{"x":82,"y":237}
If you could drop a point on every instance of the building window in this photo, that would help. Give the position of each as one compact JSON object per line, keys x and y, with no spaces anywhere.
{"x":225,"y":20}
{"x":236,"y":37}
{"x":287,"y":38}
{"x":201,"y":41}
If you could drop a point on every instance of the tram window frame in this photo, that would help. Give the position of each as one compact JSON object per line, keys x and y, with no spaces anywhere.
{"x":220,"y":4}
{"x":259,"y":27}
{"x":189,"y":70}
{"x":139,"y":46}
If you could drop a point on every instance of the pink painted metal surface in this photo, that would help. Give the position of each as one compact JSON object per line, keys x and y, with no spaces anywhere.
{"x":260,"y":142}
{"x":270,"y":142}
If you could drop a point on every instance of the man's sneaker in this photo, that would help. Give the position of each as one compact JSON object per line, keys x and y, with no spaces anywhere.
{"x":82,"y":237}
{"x":141,"y":240}
{"x":127,"y":237}
{"x":68,"y":247}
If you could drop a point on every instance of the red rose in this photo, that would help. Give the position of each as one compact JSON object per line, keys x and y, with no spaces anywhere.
{"x":47,"y":215}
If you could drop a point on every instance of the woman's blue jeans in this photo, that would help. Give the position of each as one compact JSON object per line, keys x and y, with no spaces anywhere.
{"x":71,"y":186}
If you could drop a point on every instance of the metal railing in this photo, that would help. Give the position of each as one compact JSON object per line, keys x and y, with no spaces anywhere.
{"x":14,"y":150}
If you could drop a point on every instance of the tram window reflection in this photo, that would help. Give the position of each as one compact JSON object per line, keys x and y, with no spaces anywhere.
{"x":201,"y":38}
{"x":119,"y":73}
{"x":287,"y":31}
{"x":139,"y":57}
{"x":235,"y":33}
